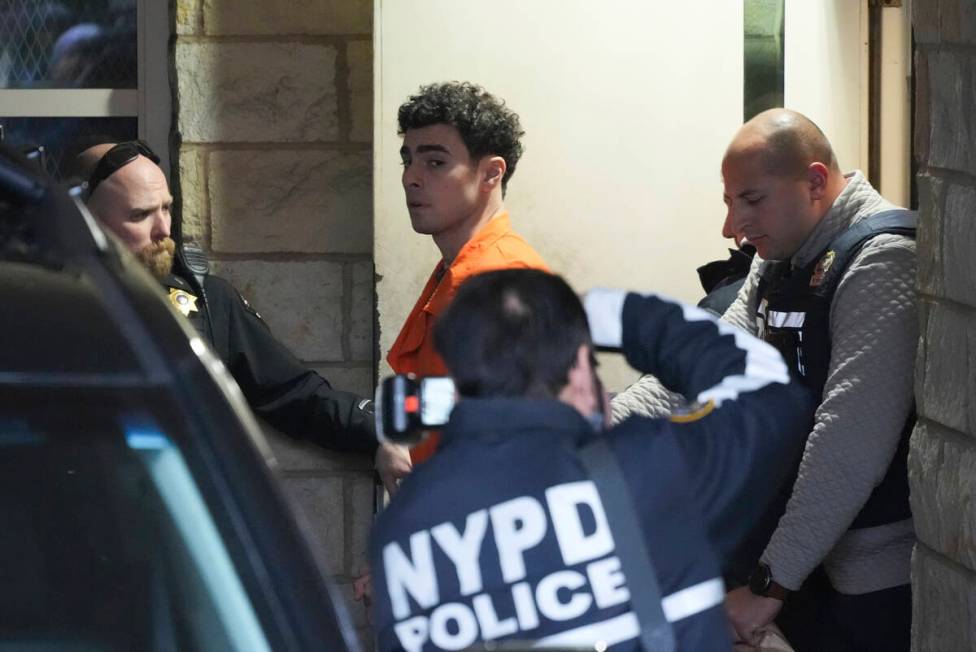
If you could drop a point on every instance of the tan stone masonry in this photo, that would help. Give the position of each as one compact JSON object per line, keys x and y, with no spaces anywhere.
{"x":274,"y":112}
{"x":942,"y":463}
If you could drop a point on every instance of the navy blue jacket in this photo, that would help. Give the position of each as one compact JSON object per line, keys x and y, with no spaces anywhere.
{"x":502,"y":535}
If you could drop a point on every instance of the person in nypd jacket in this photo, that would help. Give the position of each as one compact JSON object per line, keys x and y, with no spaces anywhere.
{"x":504,"y":535}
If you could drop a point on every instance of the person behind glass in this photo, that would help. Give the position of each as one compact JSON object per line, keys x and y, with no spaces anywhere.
{"x":127,"y":192}
{"x":460,"y":149}
{"x":503,"y":534}
{"x":97,"y":55}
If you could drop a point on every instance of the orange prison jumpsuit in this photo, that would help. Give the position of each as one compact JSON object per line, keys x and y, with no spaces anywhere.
{"x":495,"y":246}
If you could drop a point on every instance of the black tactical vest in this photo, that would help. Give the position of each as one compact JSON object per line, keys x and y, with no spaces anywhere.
{"x":794,"y":316}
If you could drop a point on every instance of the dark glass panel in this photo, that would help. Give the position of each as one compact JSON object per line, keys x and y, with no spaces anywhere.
{"x":763,"y":56}
{"x":61,"y":137}
{"x":68,"y":44}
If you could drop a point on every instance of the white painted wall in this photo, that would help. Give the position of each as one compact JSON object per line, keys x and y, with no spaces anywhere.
{"x":826,"y":78}
{"x":826,"y":72}
{"x":628,"y":107}
{"x":896,"y":105}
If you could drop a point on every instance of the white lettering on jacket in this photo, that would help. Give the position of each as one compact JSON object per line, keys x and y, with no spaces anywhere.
{"x":519,"y":525}
{"x":414,"y":575}
{"x":575,"y":545}
{"x":591,"y":578}
{"x":463,"y":549}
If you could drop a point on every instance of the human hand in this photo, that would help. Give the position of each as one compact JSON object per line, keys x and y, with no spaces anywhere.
{"x":750,"y":614}
{"x":392,"y":463}
{"x":362,"y":591}
{"x":362,"y":587}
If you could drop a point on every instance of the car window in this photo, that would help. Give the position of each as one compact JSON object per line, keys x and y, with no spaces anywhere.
{"x":108,"y":544}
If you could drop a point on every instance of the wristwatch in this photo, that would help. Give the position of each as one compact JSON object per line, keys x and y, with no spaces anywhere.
{"x":761,"y":583}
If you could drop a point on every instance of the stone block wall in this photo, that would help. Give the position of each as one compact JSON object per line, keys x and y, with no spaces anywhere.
{"x":942,"y":463}
{"x":274,"y":114}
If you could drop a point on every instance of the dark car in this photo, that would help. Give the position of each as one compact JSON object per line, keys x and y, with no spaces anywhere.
{"x":139,"y":508}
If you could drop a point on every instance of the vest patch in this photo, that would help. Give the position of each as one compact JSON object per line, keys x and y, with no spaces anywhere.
{"x":786,"y":319}
{"x":822,"y":268}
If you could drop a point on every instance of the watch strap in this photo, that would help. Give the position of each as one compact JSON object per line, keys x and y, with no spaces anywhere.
{"x":778,"y":591}
{"x":761,"y":583}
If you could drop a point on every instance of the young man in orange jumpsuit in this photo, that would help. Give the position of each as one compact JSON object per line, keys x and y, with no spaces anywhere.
{"x":460,"y":148}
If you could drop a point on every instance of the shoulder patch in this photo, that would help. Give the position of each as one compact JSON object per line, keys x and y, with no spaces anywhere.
{"x":249,"y":307}
{"x":693,"y":412}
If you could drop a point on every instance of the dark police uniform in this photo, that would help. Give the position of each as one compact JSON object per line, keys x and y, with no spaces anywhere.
{"x":502,"y":535}
{"x":279,"y":388}
{"x":722,"y":279}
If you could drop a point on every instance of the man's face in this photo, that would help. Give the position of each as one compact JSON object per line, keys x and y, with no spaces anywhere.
{"x":440,"y":180}
{"x":773,"y":213}
{"x":134,"y":204}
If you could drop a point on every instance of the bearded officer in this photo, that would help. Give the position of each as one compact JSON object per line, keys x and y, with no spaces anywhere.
{"x":127,"y":192}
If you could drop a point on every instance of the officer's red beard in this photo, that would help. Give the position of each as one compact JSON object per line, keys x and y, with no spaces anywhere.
{"x":158,"y":257}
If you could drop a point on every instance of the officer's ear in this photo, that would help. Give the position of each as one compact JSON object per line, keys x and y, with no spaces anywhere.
{"x":580,"y":391}
{"x":492,"y":169}
{"x":817,"y":177}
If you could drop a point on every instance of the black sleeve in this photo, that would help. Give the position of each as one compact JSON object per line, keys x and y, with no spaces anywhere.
{"x":277,"y":386}
{"x":744,"y":438}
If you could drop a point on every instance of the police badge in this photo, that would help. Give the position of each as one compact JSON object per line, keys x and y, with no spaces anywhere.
{"x":822,"y":267}
{"x":183,"y":301}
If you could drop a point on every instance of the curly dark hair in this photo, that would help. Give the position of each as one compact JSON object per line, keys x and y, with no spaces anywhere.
{"x":486,"y":125}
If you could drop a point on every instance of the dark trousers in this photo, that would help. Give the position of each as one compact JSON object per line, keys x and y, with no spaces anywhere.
{"x":819,"y":619}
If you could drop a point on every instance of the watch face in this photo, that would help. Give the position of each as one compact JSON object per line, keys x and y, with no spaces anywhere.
{"x":760,"y":579}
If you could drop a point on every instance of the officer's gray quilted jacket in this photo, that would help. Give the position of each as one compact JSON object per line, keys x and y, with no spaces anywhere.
{"x":868,"y":395}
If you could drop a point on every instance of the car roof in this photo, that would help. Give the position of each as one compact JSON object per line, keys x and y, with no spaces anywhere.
{"x":56,"y":325}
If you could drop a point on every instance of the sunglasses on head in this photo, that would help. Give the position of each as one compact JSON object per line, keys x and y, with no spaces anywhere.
{"x":118,"y":157}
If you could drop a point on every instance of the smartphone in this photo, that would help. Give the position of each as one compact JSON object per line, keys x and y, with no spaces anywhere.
{"x":407,"y":407}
